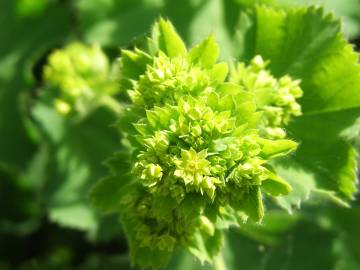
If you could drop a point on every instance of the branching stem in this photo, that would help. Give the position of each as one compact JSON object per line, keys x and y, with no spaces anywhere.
{"x":112,"y":104}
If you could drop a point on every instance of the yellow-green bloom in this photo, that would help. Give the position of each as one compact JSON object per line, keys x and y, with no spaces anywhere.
{"x":80,"y":78}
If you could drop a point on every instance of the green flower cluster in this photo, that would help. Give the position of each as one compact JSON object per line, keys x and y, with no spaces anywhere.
{"x":200,"y":162}
{"x":164,"y":75}
{"x":276,"y":98}
{"x":80,"y":78}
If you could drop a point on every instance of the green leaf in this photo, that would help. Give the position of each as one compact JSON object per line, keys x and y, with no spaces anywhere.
{"x":252,"y":204}
{"x":321,"y":58}
{"x":348,"y":10}
{"x":163,"y":206}
{"x":334,"y":166}
{"x":153,"y":258}
{"x":206,"y":247}
{"x":332,"y":162}
{"x":205,"y":53}
{"x":74,"y":163}
{"x":133,"y":64}
{"x":330,"y":172}
{"x":276,"y":148}
{"x":276,"y":186}
{"x":184,"y":260}
{"x":18,"y":54}
{"x":78,"y":216}
{"x":142,"y":256}
{"x":219,"y":72}
{"x":227,"y":22}
{"x":106,"y":22}
{"x":328,"y":236}
{"x":191,"y":206}
{"x":320,"y":195}
{"x":293,"y":251}
{"x":273,"y":228}
{"x":164,"y":38}
{"x":302,"y":182}
{"x":106,"y":194}
{"x":20,"y":213}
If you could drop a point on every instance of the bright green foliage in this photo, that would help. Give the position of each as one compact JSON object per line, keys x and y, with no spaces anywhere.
{"x":330,"y":77}
{"x":48,"y":161}
{"x":198,"y":157}
{"x":71,"y":167}
{"x":348,"y":10}
{"x":81,"y":76}
{"x":17,"y":56}
{"x":276,"y":98}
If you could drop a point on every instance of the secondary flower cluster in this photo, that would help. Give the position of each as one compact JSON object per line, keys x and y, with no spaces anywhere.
{"x":276,"y":98}
{"x":200,"y":158}
{"x":80,"y":76}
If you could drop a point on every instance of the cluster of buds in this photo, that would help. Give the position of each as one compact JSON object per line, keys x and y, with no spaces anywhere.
{"x":80,"y":78}
{"x":277,"y":98}
{"x":200,"y":145}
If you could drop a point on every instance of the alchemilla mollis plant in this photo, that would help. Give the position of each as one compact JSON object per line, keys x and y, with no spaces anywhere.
{"x":200,"y":145}
{"x":224,"y":136}
{"x":206,"y":144}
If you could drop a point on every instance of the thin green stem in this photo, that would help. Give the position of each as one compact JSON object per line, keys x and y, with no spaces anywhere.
{"x":219,"y":263}
{"x":112,"y":104}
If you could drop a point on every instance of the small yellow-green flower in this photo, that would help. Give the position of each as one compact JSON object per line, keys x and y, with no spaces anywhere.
{"x":192,"y":167}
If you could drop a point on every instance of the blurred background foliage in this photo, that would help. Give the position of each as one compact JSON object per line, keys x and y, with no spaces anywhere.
{"x":46,"y":220}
